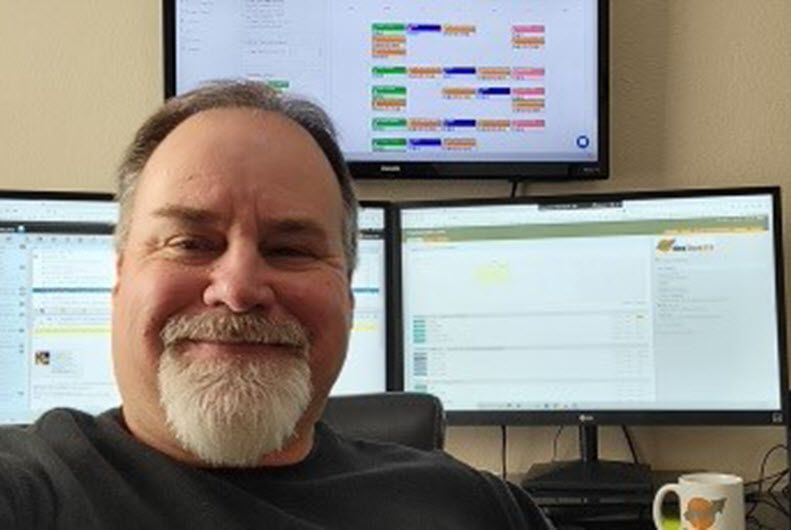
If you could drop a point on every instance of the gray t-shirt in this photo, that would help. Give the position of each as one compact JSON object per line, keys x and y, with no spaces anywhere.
{"x":71,"y":470}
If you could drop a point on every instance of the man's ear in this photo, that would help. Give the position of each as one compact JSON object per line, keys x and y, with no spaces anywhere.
{"x":119,"y":261}
{"x":351,"y":307}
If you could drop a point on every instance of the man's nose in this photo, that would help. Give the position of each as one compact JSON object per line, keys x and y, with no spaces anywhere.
{"x":240,"y":280}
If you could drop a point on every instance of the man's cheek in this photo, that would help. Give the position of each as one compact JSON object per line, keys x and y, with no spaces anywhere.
{"x":143,"y":311}
{"x":328,"y":297}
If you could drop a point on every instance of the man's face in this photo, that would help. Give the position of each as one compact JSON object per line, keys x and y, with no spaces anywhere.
{"x":236,"y":213}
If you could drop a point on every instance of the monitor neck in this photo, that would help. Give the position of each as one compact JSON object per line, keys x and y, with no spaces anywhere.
{"x":589,"y":443}
{"x":588,"y":475}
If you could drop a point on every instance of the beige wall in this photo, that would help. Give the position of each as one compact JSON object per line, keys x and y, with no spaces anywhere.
{"x":700,"y":97}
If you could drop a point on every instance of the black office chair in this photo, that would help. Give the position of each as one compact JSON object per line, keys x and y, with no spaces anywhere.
{"x":408,"y":418}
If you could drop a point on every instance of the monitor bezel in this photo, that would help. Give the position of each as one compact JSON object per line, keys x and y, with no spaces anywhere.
{"x":496,"y":170}
{"x":61,"y":195}
{"x":618,"y":417}
{"x":391,"y":331}
{"x":56,"y":195}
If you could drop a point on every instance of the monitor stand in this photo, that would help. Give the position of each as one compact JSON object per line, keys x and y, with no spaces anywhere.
{"x":589,"y":475}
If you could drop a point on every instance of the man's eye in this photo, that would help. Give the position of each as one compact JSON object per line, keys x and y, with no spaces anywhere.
{"x":191,"y":244}
{"x":290,"y":255}
{"x":290,"y":251}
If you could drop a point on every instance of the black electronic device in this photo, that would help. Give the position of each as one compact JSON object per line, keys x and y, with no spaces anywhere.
{"x":465,"y":89}
{"x":652,"y":308}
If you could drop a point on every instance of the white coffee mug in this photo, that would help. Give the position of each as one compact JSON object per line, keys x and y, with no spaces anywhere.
{"x":709,"y":501}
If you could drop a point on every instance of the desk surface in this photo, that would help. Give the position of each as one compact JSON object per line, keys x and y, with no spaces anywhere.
{"x":764,"y":518}
{"x":635,"y":512}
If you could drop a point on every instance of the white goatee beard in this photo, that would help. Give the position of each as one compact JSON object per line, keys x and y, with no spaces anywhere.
{"x":231,"y":411}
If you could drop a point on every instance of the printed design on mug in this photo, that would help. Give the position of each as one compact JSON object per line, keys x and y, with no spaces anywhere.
{"x":702,"y":513}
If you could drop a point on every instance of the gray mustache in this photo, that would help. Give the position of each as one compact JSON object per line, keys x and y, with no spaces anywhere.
{"x":234,"y":328}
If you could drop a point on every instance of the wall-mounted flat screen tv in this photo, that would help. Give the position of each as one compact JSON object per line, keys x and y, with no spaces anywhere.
{"x":502,"y":89}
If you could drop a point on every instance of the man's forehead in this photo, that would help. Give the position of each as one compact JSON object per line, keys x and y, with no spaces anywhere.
{"x":287,"y":222}
{"x":262,"y":150}
{"x":239,"y":165}
{"x":218,"y":122}
{"x":229,"y":132}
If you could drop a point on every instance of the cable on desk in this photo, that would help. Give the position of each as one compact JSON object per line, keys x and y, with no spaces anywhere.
{"x":750,"y":518}
{"x":771,"y":490}
{"x":754,"y":524}
{"x":630,"y":442}
{"x":503,"y":447}
{"x":762,"y":477}
{"x":768,"y":477}
{"x":555,"y":443}
{"x":514,"y":186}
{"x":754,"y":499}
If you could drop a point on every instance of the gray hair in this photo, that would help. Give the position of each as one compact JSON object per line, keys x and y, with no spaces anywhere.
{"x":235,"y":94}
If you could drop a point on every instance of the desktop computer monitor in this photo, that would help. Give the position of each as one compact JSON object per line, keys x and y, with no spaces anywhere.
{"x":366,"y":366}
{"x":56,"y":274}
{"x":629,"y":308}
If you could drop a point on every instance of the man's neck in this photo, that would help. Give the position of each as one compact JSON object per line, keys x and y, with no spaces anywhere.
{"x":151,"y":430}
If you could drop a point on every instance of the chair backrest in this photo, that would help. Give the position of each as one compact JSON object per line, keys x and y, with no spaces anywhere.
{"x":407,"y":418}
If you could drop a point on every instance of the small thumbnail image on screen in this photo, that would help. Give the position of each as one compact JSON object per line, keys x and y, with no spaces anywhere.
{"x":42,"y":358}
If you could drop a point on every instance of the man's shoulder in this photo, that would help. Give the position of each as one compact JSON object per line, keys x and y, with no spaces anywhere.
{"x":350,"y":454}
{"x":58,"y":421}
{"x":435,"y":479}
{"x":36,"y":463}
{"x":56,"y":436}
{"x":360,"y":452}
{"x":59,"y":418}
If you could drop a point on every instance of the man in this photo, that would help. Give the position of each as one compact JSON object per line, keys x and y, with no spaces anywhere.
{"x":231,"y":314}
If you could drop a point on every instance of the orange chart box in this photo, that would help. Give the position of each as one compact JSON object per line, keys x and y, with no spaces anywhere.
{"x":424,"y":124}
{"x":459,"y":144}
{"x":425,"y":71}
{"x":493,"y":125}
{"x":458,"y":92}
{"x":458,"y":29}
{"x":494,"y":72}
{"x":389,"y":104}
{"x":528,"y":42}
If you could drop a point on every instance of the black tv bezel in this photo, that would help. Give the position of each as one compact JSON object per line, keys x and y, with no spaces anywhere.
{"x":494,"y":170}
{"x":581,"y":417}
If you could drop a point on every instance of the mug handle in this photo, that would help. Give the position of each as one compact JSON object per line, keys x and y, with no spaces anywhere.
{"x":658,"y":499}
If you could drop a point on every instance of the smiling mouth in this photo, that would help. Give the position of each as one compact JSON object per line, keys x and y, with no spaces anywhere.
{"x":212,"y":348}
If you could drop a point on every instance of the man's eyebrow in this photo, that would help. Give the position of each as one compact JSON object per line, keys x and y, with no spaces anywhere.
{"x":297,"y":226}
{"x":187,"y":214}
{"x":291,"y":226}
